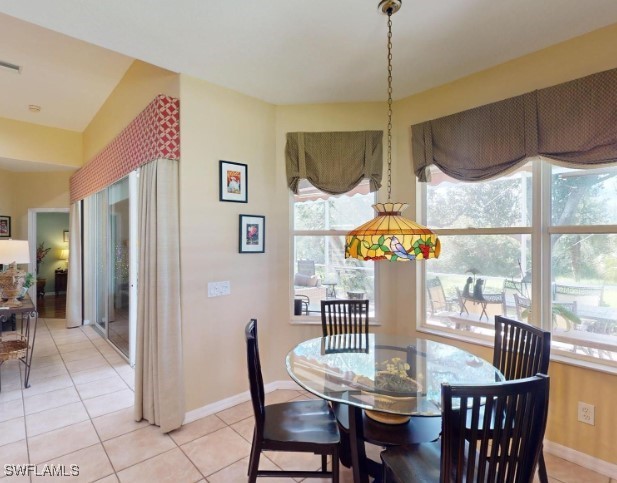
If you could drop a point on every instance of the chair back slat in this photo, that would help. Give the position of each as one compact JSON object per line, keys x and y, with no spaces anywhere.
{"x":344,"y":317}
{"x":256,"y":383}
{"x":521,"y":350}
{"x":493,"y":432}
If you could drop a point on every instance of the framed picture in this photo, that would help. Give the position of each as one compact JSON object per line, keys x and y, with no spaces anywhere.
{"x":5,"y":227}
{"x":252,"y":234}
{"x":233,"y":182}
{"x":65,"y":235}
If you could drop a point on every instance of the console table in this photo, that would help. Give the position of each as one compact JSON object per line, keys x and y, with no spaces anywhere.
{"x":19,"y":344}
{"x":60,"y":281}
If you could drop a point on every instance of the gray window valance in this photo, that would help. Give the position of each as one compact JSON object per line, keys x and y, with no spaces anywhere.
{"x":574,"y":122}
{"x":334,"y":162}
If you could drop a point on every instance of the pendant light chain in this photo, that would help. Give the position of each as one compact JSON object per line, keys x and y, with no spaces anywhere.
{"x":389,"y":153}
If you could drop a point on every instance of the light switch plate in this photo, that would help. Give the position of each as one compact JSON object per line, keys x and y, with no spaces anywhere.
{"x":217,"y":289}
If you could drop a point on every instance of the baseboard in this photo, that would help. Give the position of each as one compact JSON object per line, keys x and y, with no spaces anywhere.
{"x":581,"y":459}
{"x":568,"y":454}
{"x":231,"y":401}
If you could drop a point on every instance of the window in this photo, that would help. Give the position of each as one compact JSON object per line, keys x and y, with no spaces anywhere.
{"x":320,"y":270}
{"x":566,"y":218}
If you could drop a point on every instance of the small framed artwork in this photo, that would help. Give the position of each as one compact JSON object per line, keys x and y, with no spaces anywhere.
{"x":233,"y":182}
{"x":252,"y":234}
{"x":65,"y":235}
{"x":5,"y":227}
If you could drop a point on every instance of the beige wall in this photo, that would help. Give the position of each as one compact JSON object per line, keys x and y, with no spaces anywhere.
{"x":576,"y":58}
{"x":219,"y":124}
{"x":37,"y":190}
{"x":30,"y":142}
{"x":137,"y":88}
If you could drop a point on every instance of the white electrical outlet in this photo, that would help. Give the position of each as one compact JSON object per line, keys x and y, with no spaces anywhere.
{"x":216,"y":289}
{"x":586,"y":413}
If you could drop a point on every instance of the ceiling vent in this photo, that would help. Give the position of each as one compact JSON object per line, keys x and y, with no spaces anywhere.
{"x":9,"y":66}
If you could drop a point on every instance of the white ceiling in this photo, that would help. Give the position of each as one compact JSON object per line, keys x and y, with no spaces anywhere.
{"x":281,"y":51}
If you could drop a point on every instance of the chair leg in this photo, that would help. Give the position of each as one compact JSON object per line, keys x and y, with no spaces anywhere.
{"x":335,"y":466}
{"x":254,"y":461}
{"x":324,"y":463}
{"x":542,"y":474}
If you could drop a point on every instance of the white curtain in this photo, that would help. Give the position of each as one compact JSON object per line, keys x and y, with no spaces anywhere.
{"x":159,"y":378}
{"x":74,"y":316}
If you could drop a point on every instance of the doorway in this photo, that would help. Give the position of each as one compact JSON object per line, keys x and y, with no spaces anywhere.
{"x":49,"y":248}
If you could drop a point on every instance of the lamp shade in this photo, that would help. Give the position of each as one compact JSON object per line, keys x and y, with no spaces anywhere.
{"x":64,"y":254}
{"x":390,"y":236}
{"x":16,"y":251}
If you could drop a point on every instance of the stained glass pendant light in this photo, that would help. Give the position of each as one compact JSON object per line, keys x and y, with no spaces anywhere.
{"x":390,"y":236}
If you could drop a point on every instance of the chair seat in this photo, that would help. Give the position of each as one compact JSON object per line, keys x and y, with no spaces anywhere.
{"x":416,"y":462}
{"x":303,"y":422}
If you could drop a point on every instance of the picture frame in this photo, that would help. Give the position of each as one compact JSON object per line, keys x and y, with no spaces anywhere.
{"x":233,"y":182}
{"x":252,"y":234}
{"x":5,"y":226}
{"x":65,"y":236}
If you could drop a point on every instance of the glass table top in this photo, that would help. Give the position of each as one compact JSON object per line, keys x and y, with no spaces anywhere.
{"x":392,"y":374}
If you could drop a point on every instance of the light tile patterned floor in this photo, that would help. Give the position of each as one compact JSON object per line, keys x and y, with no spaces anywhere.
{"x":78,"y":410}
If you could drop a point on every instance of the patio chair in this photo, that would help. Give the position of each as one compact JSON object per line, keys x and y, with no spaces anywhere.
{"x":495,"y":449}
{"x":436,"y":296}
{"x":294,"y":426}
{"x":306,"y":284}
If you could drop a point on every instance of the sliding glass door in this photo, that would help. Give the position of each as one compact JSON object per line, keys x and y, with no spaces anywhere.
{"x":111,"y":262}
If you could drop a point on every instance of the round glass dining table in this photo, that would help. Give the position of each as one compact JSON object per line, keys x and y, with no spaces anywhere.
{"x":390,"y":376}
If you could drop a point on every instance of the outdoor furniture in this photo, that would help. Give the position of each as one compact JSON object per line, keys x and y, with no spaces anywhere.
{"x":505,"y":424}
{"x":295,"y":426}
{"x":484,"y":300}
{"x":307,"y":284}
{"x":579,"y":294}
{"x":437,"y":299}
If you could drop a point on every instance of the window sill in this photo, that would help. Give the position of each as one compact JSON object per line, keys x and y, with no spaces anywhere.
{"x":316,"y":320}
{"x":559,"y":357}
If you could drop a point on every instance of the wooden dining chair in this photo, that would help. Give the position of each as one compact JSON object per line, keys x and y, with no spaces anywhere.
{"x":344,"y":317}
{"x":294,"y":426}
{"x":476,"y":446}
{"x":522,"y":350}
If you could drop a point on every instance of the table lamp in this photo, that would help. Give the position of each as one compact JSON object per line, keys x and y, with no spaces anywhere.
{"x":12,"y":280}
{"x":64,"y":255}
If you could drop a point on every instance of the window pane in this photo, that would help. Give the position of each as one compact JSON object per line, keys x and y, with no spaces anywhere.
{"x":321,"y":271}
{"x":501,"y":202}
{"x":584,"y":196}
{"x":476,"y":278}
{"x":316,"y":210}
{"x":584,"y":291}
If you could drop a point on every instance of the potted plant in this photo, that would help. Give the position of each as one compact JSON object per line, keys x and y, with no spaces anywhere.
{"x":41,"y":252}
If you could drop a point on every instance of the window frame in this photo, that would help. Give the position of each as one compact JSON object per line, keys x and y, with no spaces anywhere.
{"x":541,"y":230}
{"x":316,"y":318}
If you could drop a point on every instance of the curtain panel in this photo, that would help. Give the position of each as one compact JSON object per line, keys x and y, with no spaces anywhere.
{"x":74,"y":296}
{"x":334,"y":162}
{"x":159,"y":376}
{"x":574,"y":122}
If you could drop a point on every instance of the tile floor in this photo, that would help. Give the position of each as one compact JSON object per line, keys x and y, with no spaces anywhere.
{"x":78,"y":410}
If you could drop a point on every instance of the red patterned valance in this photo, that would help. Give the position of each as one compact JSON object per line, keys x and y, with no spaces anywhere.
{"x":153,"y":134}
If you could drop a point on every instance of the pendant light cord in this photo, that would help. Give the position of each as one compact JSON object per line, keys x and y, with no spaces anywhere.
{"x":389,"y":152}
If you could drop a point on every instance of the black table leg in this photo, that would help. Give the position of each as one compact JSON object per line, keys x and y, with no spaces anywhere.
{"x":356,"y":441}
